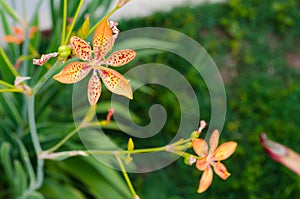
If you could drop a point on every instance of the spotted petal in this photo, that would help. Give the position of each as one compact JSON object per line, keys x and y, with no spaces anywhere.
{"x":200,"y":147}
{"x":102,"y":40}
{"x":94,"y":88}
{"x":81,"y":48}
{"x":115,"y":82}
{"x":224,"y":151}
{"x":73,"y":72}
{"x":120,"y":57}
{"x":221,"y":170}
{"x":206,"y":180}
{"x":213,"y":141}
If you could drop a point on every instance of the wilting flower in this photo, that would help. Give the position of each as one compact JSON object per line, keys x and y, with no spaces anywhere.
{"x":44,"y":58}
{"x":121,"y":3}
{"x":18,"y":35}
{"x":103,"y":41}
{"x":212,"y":157}
{"x":19,"y":83}
{"x":281,"y":153}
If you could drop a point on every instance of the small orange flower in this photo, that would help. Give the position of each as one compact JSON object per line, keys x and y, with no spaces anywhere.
{"x":19,"y":35}
{"x":103,"y":41}
{"x":212,"y":157}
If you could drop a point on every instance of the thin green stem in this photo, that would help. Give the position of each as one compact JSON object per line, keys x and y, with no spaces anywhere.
{"x":136,"y":151}
{"x":7,"y":84}
{"x":73,"y":22}
{"x":65,"y":139}
{"x":108,"y":15}
{"x":127,"y":179}
{"x":45,"y":77}
{"x":64,"y":23}
{"x":12,"y":90}
{"x":8,"y":63}
{"x":35,"y":141}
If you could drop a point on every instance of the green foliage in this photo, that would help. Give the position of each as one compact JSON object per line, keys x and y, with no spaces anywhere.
{"x":250,"y":38}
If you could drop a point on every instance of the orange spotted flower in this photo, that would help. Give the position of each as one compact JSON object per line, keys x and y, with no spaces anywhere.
{"x":103,"y":41}
{"x":18,"y":35}
{"x":212,"y":157}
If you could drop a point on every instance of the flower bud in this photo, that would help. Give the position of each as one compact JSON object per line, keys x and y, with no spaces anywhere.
{"x":64,"y":51}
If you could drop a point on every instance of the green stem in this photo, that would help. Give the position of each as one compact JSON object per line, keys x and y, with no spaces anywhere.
{"x":73,"y":22}
{"x":11,"y":90}
{"x":66,"y":138}
{"x":8,"y":63}
{"x":45,"y":77}
{"x":7,"y":84}
{"x":64,"y":23}
{"x":108,"y":15}
{"x":136,"y":151}
{"x":35,"y":141}
{"x":127,"y":179}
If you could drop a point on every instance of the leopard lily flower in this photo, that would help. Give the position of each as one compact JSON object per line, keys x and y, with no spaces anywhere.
{"x":18,"y":35}
{"x":212,"y":157}
{"x":103,"y":41}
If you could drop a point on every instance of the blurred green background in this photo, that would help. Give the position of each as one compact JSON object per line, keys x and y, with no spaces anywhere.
{"x":256,"y":46}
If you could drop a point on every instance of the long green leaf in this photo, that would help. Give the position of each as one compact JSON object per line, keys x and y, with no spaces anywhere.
{"x":10,"y":11}
{"x":6,"y":162}
{"x":20,"y":178}
{"x":93,"y":179}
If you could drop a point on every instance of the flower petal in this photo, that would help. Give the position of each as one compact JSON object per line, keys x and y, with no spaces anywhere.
{"x":213,"y":141}
{"x":32,"y":31}
{"x":44,"y":58}
{"x":206,"y":180}
{"x":20,"y":79}
{"x":115,"y":82}
{"x":202,"y":164}
{"x":81,"y":48}
{"x":281,"y":153}
{"x":200,"y":147}
{"x":224,"y":151}
{"x":221,"y":170}
{"x":102,"y":40}
{"x":13,"y":39}
{"x":73,"y":72}
{"x":18,"y":31}
{"x":120,"y":57}
{"x":94,"y":88}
